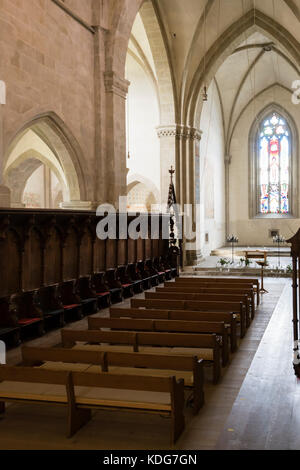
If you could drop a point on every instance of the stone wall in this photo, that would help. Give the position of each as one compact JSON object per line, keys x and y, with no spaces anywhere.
{"x":47,"y":62}
{"x":255,"y":231}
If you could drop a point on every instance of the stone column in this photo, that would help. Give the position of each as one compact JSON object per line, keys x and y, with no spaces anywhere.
{"x":4,"y":190}
{"x":116,"y":89}
{"x":180,"y":147}
{"x":228,"y":159}
{"x":190,"y":169}
{"x":195,"y":190}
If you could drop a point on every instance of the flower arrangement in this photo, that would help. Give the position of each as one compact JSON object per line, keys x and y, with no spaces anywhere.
{"x":245,"y":261}
{"x":224,"y":262}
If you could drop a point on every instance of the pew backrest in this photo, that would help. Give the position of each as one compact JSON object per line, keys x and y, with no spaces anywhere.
{"x":156,"y":325}
{"x":71,"y":337}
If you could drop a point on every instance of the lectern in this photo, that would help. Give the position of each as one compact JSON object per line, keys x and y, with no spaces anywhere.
{"x":295,"y":253}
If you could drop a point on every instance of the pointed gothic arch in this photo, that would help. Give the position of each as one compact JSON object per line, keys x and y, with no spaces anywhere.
{"x":294,"y":165}
{"x":63,"y":145}
{"x":224,"y":46}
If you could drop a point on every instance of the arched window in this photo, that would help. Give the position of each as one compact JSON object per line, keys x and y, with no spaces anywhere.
{"x":274,"y":166}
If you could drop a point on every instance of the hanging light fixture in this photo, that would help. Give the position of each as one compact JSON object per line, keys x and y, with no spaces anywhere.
{"x":204,"y":93}
{"x":128,"y":130}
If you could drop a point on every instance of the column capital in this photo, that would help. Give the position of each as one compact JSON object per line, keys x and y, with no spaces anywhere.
{"x":115,"y":84}
{"x":196,"y":134}
{"x":179,"y":131}
{"x":167,"y":131}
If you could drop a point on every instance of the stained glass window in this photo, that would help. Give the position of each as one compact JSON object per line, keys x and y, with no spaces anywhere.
{"x":274,"y":166}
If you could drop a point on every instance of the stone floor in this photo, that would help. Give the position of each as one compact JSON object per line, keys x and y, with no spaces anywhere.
{"x":218,"y":425}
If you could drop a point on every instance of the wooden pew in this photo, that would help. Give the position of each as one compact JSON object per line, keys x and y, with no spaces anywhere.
{"x":87,"y":295}
{"x":223,"y":280}
{"x":197,"y":282}
{"x":177,"y":315}
{"x":199,"y":289}
{"x":101,"y":288}
{"x":205,"y":306}
{"x":9,"y":330}
{"x":165,"y":295}
{"x":29,"y":315}
{"x":125,"y":363}
{"x":229,"y":319}
{"x":206,"y":347}
{"x":170,"y":403}
{"x":169,"y":326}
{"x":35,"y":388}
{"x":70,"y":300}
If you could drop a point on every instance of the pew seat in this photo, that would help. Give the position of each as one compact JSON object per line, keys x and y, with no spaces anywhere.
{"x":49,"y":303}
{"x":50,"y":365}
{"x":101,"y":288}
{"x":135,"y":278}
{"x":87,"y":295}
{"x":82,"y":392}
{"x":70,"y":300}
{"x":188,"y":368}
{"x":207,"y":345}
{"x":85,"y":396}
{"x":187,"y":376}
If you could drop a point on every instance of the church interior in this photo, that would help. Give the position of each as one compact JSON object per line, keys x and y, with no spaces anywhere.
{"x":184,"y":336}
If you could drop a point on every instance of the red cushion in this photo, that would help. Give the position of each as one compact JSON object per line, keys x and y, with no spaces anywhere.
{"x":126,"y":285}
{"x":28,"y":321}
{"x":70,"y":306}
{"x":103,"y":293}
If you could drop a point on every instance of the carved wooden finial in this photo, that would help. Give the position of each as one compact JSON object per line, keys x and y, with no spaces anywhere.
{"x":172,"y":172}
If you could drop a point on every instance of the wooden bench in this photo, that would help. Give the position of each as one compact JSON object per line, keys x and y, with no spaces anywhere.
{"x":9,"y":330}
{"x":87,"y":295}
{"x":222,"y":280}
{"x":29,"y":316}
{"x":101,"y":288}
{"x":168,"y":326}
{"x":148,"y":280}
{"x":229,"y":319}
{"x":158,"y":395}
{"x":70,"y":300}
{"x":190,"y":369}
{"x":136,"y":278}
{"x":53,"y":310}
{"x":231,"y":307}
{"x":160,"y":267}
{"x":115,"y":287}
{"x":126,"y":281}
{"x":165,"y":295}
{"x":221,"y":286}
{"x":199,"y":289}
{"x":206,"y":347}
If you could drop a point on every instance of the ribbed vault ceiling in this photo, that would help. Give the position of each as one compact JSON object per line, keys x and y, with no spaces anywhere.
{"x":257,"y":59}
